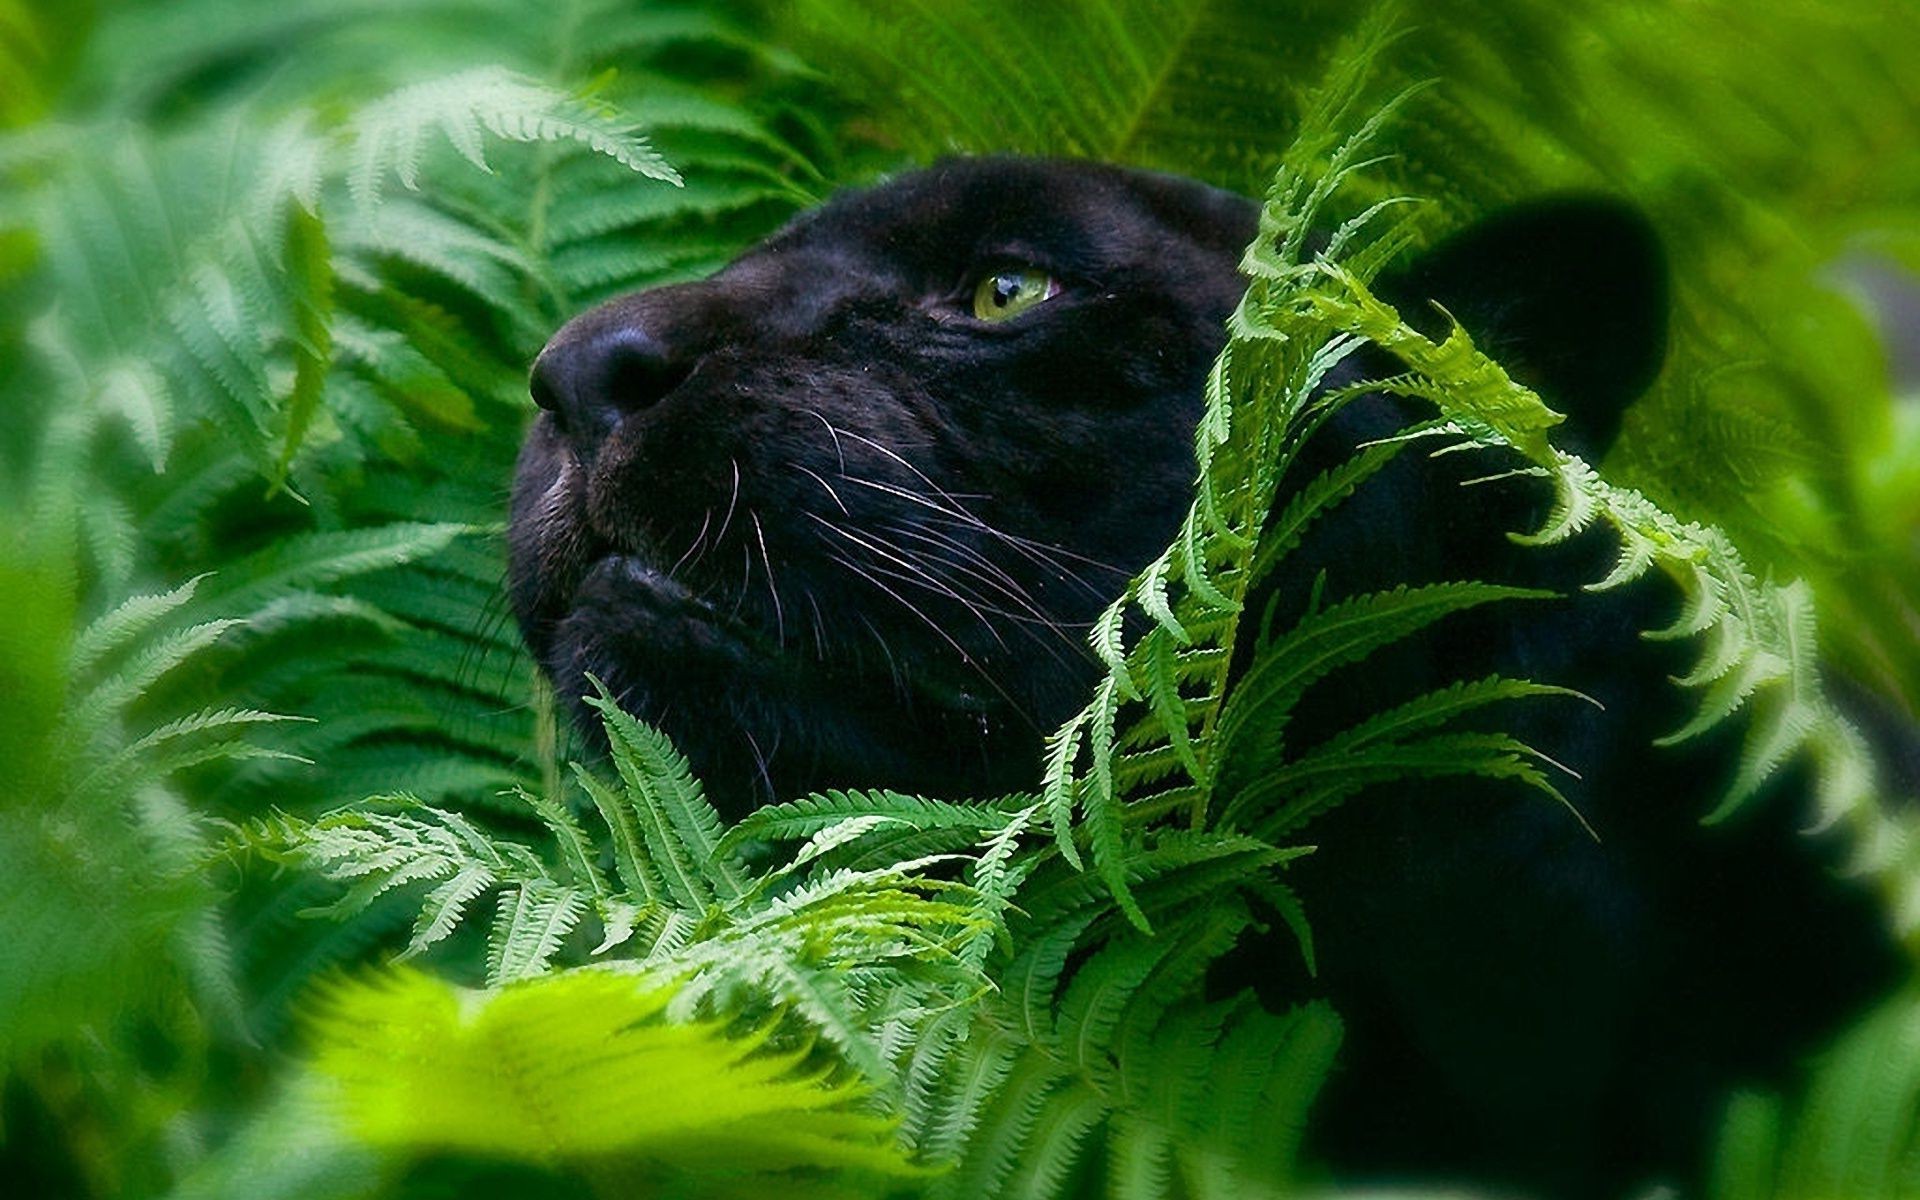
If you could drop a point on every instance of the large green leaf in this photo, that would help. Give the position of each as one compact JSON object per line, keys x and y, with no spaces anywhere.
{"x":580,"y":1067}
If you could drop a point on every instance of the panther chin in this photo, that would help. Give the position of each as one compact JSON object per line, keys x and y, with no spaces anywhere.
{"x":729,"y":692}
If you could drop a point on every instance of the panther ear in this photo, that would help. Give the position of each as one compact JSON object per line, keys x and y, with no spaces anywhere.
{"x":1569,"y":293}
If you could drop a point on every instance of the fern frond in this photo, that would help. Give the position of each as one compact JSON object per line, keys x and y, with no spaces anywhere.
{"x":998,"y":1144}
{"x":682,"y":829}
{"x":1055,"y":1143}
{"x":127,"y":621}
{"x":528,"y":928}
{"x":388,"y":137}
{"x":172,"y":747}
{"x":446,"y":906}
{"x":1323,"y":641}
{"x":631,"y":859}
{"x":1260,"y":406}
{"x":438,"y":242}
{"x":307,"y":561}
{"x":573,"y":1067}
{"x":1195,"y":86}
{"x":813,"y":814}
{"x":577,"y":851}
{"x":135,"y":392}
{"x":1439,"y":707}
{"x":308,"y":265}
{"x":141,"y":671}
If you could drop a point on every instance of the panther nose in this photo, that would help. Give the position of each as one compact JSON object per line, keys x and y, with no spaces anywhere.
{"x":589,"y":382}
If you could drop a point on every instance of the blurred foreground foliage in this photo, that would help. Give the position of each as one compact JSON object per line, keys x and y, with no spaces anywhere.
{"x":269,"y":279}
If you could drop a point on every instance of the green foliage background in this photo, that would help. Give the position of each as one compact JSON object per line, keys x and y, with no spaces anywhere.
{"x":269,"y":279}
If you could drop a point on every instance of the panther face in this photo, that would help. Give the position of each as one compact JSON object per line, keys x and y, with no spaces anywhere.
{"x":841,"y":513}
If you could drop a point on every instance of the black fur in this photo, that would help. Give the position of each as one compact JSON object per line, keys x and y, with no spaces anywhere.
{"x":827,"y":529}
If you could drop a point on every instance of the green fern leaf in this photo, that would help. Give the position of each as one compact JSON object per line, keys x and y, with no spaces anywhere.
{"x":1055,"y":1145}
{"x":160,"y":753}
{"x":1292,"y":795}
{"x":532,"y":921}
{"x":388,"y":136}
{"x":631,"y":860}
{"x":683,"y":831}
{"x":446,"y":906}
{"x":1139,"y":1161}
{"x":1057,"y":791}
{"x":128,"y":620}
{"x":315,"y":559}
{"x":140,"y":672}
{"x":1439,"y":707}
{"x":577,"y":853}
{"x":1323,"y":641}
{"x":1851,"y":1133}
{"x":309,"y":271}
{"x":1002,"y":1138}
{"x":1195,"y":86}
{"x":811,"y":815}
{"x":572,"y":1068}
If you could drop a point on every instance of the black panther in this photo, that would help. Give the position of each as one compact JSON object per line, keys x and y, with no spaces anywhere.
{"x":840,"y":515}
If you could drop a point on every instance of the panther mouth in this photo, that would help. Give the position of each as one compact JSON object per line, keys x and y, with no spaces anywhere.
{"x":646,"y":581}
{"x":761,"y":719}
{"x":664,"y":617}
{"x":667,"y":608}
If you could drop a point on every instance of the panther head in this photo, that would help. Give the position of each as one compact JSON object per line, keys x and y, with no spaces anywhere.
{"x":841,"y":513}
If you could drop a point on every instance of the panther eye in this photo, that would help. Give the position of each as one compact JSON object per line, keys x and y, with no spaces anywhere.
{"x":1007,"y":294}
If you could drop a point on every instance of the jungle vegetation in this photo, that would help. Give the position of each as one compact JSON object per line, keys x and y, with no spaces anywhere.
{"x":306,"y":891}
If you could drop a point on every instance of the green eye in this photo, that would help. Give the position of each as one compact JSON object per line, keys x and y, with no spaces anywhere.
{"x":1006,"y":294}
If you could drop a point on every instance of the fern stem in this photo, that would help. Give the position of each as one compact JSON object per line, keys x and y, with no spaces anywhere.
{"x":546,"y":735}
{"x":1174,"y":52}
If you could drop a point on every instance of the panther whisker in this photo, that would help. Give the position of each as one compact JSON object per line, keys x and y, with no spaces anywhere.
{"x":912,"y":497}
{"x":953,"y":498}
{"x":995,"y":573}
{"x":981,"y":610}
{"x":819,"y":624}
{"x":732,"y":499}
{"x":886,"y":651}
{"x":845,"y":511}
{"x":832,"y":433}
{"x":479,"y":650}
{"x":746,"y":580}
{"x":946,"y":584}
{"x":773,"y":592}
{"x":976,"y":666}
{"x":910,"y":606}
{"x":1058,"y":551}
{"x":1020,"y":546}
{"x":699,"y":539}
{"x":1033,"y":553}
{"x":761,"y":760}
{"x":1043,"y":554}
{"x":993,"y":577}
{"x":895,"y":455}
{"x":920,"y":575}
